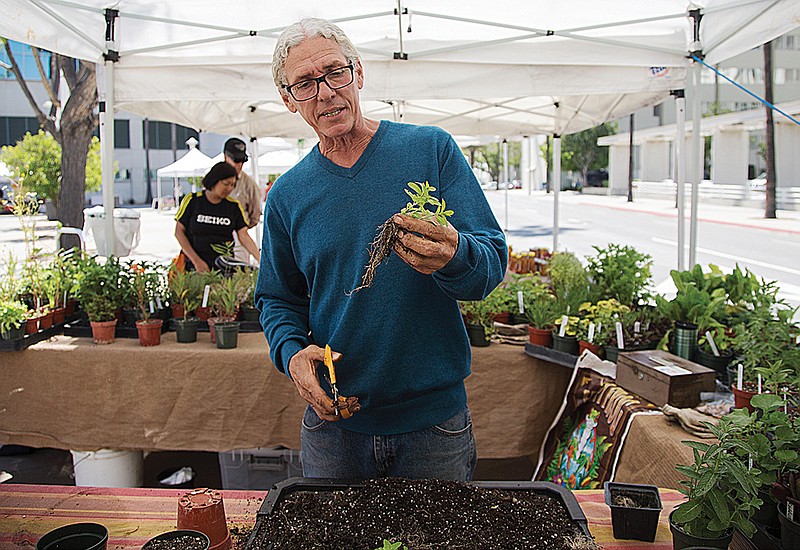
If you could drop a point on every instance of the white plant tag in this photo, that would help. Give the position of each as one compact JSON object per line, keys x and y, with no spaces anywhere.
{"x":759,"y":383}
{"x":749,"y":461}
{"x":636,"y":327}
{"x":38,"y":302}
{"x":740,"y":376}
{"x":789,"y":508}
{"x":562,"y":331}
{"x":620,"y":336}
{"x":520,"y":302}
{"x":206,"y":290}
{"x":152,"y":309}
{"x":65,"y":299}
{"x":591,"y":333}
{"x":712,"y":343}
{"x":158,"y":303}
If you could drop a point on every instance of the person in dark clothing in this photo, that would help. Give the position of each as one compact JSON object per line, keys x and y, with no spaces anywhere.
{"x":206,"y":221}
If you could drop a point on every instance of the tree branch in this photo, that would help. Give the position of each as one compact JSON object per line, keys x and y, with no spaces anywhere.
{"x":45,"y":81}
{"x":67,"y":66}
{"x":46,"y":123}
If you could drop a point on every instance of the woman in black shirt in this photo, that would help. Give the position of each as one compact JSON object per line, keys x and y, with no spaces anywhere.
{"x":210,"y":217}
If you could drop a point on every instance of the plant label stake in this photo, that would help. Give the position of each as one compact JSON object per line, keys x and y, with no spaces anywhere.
{"x":562,"y":331}
{"x":712,"y":343}
{"x":759,"y":382}
{"x":591,"y":333}
{"x":205,"y":295}
{"x":158,"y":302}
{"x":520,"y":302}
{"x":152,"y":309}
{"x":65,"y":299}
{"x":637,"y":327}
{"x":740,"y":376}
{"x":620,"y":336}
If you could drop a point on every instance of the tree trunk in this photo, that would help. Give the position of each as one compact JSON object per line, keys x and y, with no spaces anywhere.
{"x":770,"y":202}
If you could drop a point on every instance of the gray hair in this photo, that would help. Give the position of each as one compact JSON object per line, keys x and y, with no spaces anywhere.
{"x":307,"y":28}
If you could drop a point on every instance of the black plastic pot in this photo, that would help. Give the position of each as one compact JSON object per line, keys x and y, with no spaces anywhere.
{"x":790,"y":530}
{"x":612,"y":353}
{"x":186,"y":330}
{"x":684,"y":541}
{"x":767,"y":513}
{"x":250,"y":314}
{"x":629,"y":522}
{"x":13,"y":333}
{"x":718,"y":363}
{"x":76,"y":536}
{"x":477,"y":335}
{"x":227,"y":334}
{"x":130,"y":315}
{"x":566,"y":344}
{"x":202,"y":538}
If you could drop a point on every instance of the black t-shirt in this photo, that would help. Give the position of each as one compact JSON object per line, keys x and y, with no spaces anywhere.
{"x":208,"y":223}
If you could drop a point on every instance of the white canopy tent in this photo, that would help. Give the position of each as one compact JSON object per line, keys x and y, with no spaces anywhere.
{"x":520,"y":68}
{"x":193,"y":164}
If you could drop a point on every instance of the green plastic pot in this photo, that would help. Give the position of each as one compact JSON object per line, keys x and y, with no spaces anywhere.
{"x":477,"y":335}
{"x":186,"y":330}
{"x":227,"y":334}
{"x":13,"y":333}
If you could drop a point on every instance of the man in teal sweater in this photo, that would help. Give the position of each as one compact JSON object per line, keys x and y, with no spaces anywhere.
{"x":400,"y":346}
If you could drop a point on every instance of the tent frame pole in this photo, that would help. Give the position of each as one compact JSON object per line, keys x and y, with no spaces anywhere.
{"x":107,"y":134}
{"x":680,"y":170}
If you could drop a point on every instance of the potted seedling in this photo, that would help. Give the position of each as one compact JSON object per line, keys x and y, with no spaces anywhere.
{"x":621,"y":273}
{"x":386,"y":234}
{"x":247,"y":309}
{"x":144,"y":279}
{"x":186,"y":288}
{"x":569,"y":281}
{"x":540,"y":310}
{"x":603,"y":316}
{"x":225,"y":297}
{"x":479,"y":317}
{"x":721,"y":493}
{"x":12,"y":319}
{"x":565,"y":337}
{"x":99,"y":295}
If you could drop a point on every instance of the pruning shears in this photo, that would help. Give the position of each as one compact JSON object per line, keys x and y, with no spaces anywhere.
{"x":328,"y":361}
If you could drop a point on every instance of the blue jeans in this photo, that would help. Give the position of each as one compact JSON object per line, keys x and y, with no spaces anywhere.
{"x":444,"y":451}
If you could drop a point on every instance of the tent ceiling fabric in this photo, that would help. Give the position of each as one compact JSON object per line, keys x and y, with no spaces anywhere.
{"x":472,"y":68}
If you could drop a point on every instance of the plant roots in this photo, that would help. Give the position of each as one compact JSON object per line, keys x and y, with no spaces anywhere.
{"x":379,"y":251}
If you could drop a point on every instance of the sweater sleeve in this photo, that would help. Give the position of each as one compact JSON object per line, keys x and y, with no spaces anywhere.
{"x":281,"y":294}
{"x":480,"y":261}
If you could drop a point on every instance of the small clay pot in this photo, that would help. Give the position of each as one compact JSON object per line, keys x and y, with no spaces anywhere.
{"x":149,"y":332}
{"x":203,"y":510}
{"x":540,"y":337}
{"x":103,"y":332}
{"x":594,"y":348}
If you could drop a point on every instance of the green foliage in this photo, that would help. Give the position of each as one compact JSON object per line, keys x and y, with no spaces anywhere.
{"x":145,"y":282}
{"x":581,"y":153}
{"x":490,"y":157}
{"x":699,"y":300}
{"x":604,"y":314}
{"x":98,"y":287}
{"x":620,"y":272}
{"x":540,"y":309}
{"x":12,"y":314}
{"x":421,"y":199}
{"x":36,"y":163}
{"x":227,"y":294}
{"x":482,"y":312}
{"x":766,"y":345}
{"x":185,"y":288}
{"x":388,"y":545}
{"x":569,"y":281}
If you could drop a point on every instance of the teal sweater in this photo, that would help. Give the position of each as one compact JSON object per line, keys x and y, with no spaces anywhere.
{"x":404,"y":345}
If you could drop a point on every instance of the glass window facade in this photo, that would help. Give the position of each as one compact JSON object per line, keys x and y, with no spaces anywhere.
{"x":24,"y":56}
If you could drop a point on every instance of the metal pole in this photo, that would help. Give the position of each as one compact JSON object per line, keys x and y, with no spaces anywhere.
{"x":556,"y":186}
{"x":630,"y":159}
{"x":680,"y":170}
{"x":505,"y":176}
{"x":697,"y":176}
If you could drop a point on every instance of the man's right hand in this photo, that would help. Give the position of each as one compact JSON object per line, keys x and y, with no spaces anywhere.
{"x":303,"y":369}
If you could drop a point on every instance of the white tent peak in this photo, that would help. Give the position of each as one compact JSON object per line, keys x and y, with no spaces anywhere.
{"x":193,"y":163}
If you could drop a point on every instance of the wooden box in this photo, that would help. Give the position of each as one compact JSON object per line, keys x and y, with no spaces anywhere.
{"x":661,"y":377}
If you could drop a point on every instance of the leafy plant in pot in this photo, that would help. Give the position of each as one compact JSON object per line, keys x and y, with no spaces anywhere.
{"x":540,"y":310}
{"x":621,"y":273}
{"x":530,"y":285}
{"x":224,"y":298}
{"x":568,"y":342}
{"x":603,"y":315}
{"x":145,"y":283}
{"x":722,"y":494}
{"x":247,"y":308}
{"x":479,"y":317}
{"x":186,"y":289}
{"x":12,"y":319}
{"x":99,"y":295}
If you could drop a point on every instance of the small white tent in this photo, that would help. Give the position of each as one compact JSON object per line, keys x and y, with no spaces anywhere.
{"x":192,"y":164}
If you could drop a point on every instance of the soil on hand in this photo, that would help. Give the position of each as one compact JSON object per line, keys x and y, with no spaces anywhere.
{"x":424,"y":514}
{"x":633,"y":499}
{"x":183,"y":542}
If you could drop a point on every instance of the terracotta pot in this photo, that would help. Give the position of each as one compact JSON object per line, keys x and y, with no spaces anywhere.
{"x":149,"y":332}
{"x":103,"y":331}
{"x":46,"y":320}
{"x":203,"y":510}
{"x":504,"y":317}
{"x":202,"y":313}
{"x":32,"y":325}
{"x":594,"y":348}
{"x":214,"y":320}
{"x":59,"y":315}
{"x":741,"y":398}
{"x":71,"y":306}
{"x":177,"y":310}
{"x":540,"y":337}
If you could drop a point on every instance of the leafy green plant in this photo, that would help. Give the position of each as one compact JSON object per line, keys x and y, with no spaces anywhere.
{"x":721,"y":493}
{"x":388,"y":545}
{"x":571,"y":328}
{"x":98,"y":287}
{"x":12,"y":314}
{"x":386,"y":233}
{"x":186,"y":289}
{"x":145,"y":283}
{"x":604,"y":314}
{"x":693,"y":304}
{"x":541,"y":309}
{"x":482,"y":312}
{"x":620,"y":272}
{"x":766,"y":345}
{"x":226,"y":295}
{"x":569,"y":280}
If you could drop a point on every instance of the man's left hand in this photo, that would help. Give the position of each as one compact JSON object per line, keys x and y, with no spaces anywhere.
{"x":425,"y":246}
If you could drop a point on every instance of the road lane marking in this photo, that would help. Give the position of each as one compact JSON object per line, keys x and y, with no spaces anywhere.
{"x":733,"y":257}
{"x":790,"y":243}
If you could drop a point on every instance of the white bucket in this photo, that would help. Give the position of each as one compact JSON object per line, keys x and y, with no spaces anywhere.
{"x":108,"y":468}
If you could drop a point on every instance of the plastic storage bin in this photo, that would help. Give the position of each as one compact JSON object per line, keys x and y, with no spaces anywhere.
{"x":258,"y":469}
{"x":126,"y":229}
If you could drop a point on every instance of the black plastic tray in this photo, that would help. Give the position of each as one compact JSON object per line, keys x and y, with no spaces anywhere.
{"x":291,"y":485}
{"x":550,"y":355}
{"x":31,"y":339}
{"x":82,"y":329}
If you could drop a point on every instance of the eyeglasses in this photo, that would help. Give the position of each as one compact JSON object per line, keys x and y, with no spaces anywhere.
{"x":308,"y":89}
